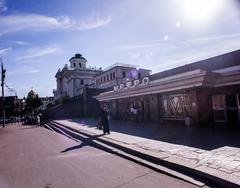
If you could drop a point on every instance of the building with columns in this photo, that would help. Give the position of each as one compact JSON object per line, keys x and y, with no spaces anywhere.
{"x":72,"y":79}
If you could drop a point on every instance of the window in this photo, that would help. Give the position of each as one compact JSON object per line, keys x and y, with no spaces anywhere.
{"x":124,"y":74}
{"x":101,"y":80}
{"x":231,"y":100}
{"x":175,"y":106}
{"x":107,"y":77}
{"x":104,"y":78}
{"x":218,"y":101}
{"x":80,"y":65}
{"x":113,"y":75}
{"x":81,"y":81}
{"x":74,"y":65}
{"x":139,"y":75}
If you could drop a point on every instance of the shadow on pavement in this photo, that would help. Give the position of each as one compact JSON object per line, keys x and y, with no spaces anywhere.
{"x":85,"y":142}
{"x":207,"y":138}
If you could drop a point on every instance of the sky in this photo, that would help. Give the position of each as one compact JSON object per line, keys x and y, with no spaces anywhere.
{"x":39,"y":37}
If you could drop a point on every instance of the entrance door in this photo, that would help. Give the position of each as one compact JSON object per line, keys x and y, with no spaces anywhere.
{"x":232,"y":108}
{"x":219,"y":110}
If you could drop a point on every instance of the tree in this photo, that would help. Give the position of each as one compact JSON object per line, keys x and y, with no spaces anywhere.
{"x":32,"y":102}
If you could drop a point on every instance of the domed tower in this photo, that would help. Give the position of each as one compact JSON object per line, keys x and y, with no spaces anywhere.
{"x":78,"y":62}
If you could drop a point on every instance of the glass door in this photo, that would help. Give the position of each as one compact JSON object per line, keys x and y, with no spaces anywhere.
{"x":232,"y":108}
{"x":219,"y":110}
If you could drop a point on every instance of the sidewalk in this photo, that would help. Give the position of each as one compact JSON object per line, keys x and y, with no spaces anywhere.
{"x":213,"y":152}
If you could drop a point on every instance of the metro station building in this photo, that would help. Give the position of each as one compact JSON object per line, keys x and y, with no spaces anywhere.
{"x":201,"y":93}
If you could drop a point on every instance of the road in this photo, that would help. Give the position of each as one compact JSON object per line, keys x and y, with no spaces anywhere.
{"x":34,"y":157}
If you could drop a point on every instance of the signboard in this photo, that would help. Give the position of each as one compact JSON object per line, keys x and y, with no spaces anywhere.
{"x":130,"y":84}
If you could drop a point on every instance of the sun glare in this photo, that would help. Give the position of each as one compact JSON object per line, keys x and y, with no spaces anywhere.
{"x":201,"y":10}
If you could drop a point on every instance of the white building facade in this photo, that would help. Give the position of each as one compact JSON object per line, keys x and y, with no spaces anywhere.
{"x":71,"y":79}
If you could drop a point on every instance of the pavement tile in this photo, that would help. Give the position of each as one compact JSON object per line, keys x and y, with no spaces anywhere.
{"x":232,"y":165}
{"x":226,"y":170}
{"x":219,"y":174}
{"x":236,"y":174}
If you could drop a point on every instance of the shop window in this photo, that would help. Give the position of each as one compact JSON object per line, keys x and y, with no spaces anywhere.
{"x":231,"y":101}
{"x":218,"y":101}
{"x":175,"y":106}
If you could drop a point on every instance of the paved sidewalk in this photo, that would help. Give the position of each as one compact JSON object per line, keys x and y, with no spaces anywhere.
{"x":210,"y":155}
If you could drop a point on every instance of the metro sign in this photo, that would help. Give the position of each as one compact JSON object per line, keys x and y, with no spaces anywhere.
{"x":130,"y":84}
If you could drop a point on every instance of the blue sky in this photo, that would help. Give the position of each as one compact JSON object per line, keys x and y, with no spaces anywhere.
{"x":38,"y":37}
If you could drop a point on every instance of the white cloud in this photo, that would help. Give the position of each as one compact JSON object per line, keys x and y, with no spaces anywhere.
{"x":167,"y":44}
{"x":39,"y":52}
{"x":14,"y":23}
{"x":93,"y":23}
{"x":23,"y":70}
{"x":19,"y":42}
{"x":140,"y":45}
{"x":4,"y":50}
{"x":3,"y":6}
{"x":37,"y":22}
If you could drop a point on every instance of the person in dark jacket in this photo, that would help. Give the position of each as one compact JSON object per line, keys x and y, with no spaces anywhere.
{"x":104,"y":120}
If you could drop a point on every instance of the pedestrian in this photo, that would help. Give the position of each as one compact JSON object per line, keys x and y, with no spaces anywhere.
{"x":99,"y":123}
{"x":135,"y":114}
{"x":38,"y":120}
{"x":105,"y":120}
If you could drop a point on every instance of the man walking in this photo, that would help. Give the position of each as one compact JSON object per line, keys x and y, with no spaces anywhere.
{"x":105,"y":121}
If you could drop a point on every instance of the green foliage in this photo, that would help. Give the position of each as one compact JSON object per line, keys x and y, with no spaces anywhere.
{"x":32,"y":102}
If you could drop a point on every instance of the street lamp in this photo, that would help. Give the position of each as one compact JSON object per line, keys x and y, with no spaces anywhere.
{"x":2,"y":84}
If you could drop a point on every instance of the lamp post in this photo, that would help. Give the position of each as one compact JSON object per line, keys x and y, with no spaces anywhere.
{"x":2,"y":84}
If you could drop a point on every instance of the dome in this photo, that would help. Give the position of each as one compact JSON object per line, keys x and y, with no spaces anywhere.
{"x":78,"y":56}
